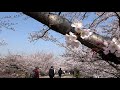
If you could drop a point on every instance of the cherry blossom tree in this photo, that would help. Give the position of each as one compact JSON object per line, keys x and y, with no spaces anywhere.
{"x":88,"y":37}
{"x":88,"y":44}
{"x":63,"y":26}
{"x":16,"y":66}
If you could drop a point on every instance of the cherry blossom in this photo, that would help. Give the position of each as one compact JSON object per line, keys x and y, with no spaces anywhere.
{"x":114,"y":40}
{"x":71,"y":40}
{"x":105,"y":43}
{"x":75,"y":43}
{"x":86,"y":33}
{"x":68,"y":42}
{"x":117,"y":53}
{"x":106,"y":51}
{"x":72,"y":36}
{"x":113,"y":47}
{"x":118,"y":47}
{"x":78,"y":26}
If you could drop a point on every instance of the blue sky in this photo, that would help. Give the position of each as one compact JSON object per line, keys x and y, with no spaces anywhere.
{"x":18,"y":40}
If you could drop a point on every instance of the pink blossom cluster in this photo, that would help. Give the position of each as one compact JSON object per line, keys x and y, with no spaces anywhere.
{"x":71,"y":40}
{"x":112,"y":47}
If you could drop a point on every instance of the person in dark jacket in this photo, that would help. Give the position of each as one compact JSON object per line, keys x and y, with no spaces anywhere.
{"x":60,"y":72}
{"x":51,"y":72}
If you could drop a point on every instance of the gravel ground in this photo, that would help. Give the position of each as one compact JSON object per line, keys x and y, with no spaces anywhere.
{"x":56,"y":76}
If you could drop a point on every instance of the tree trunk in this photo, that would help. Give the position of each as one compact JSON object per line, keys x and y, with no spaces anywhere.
{"x":63,"y":26}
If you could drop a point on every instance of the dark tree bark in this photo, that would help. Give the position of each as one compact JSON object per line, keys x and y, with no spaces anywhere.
{"x":63,"y":26}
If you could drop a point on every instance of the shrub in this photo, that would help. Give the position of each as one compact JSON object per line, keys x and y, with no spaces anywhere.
{"x":76,"y":73}
{"x":43,"y":73}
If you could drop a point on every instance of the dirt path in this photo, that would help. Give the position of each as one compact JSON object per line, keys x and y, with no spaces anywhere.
{"x":56,"y":76}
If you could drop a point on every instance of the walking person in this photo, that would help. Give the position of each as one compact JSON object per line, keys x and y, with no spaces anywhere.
{"x":51,"y":72}
{"x":60,"y":72}
{"x":36,"y":72}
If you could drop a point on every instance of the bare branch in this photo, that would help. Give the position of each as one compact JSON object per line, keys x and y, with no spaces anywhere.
{"x":96,"y":19}
{"x":114,"y":66}
{"x":59,"y":13}
{"x":118,"y":16}
{"x":84,"y":15}
{"x":44,"y":33}
{"x":2,"y":43}
{"x":36,"y":36}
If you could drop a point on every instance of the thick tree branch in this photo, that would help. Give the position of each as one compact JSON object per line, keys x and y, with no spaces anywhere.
{"x":53,"y":21}
{"x":63,"y":26}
